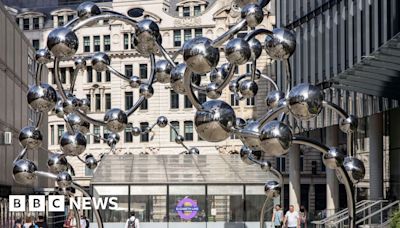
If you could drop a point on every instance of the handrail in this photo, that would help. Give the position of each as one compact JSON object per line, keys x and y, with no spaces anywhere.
{"x":357,"y":212}
{"x":378,"y":211}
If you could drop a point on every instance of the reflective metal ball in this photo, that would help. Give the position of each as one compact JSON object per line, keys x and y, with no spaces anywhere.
{"x":30,"y":137}
{"x":193,"y":151}
{"x":177,"y":74}
{"x":179,"y":139}
{"x":233,"y":86}
{"x":59,"y":110}
{"x":42,"y":98}
{"x":57,"y":163}
{"x":273,"y":98}
{"x":281,"y":44}
{"x":77,"y":123}
{"x":253,"y":14}
{"x":163,"y":71}
{"x":136,"y":131}
{"x":64,"y":180}
{"x":305,"y":101}
{"x":212,"y":91}
{"x":73,"y":144}
{"x":71,"y":104}
{"x":147,"y":33}
{"x":200,"y":56}
{"x":87,"y":9}
{"x":218,"y":75}
{"x":116,"y":120}
{"x":43,"y":56}
{"x":90,"y":161}
{"x":62,"y":42}
{"x":80,"y":63}
{"x":112,"y":139}
{"x":254,"y":143}
{"x":147,"y":91}
{"x":245,"y":154}
{"x":85,"y":105}
{"x":100,"y":61}
{"x":215,"y":120}
{"x":255,"y":48}
{"x":334,"y":158}
{"x":349,"y":125}
{"x":272,"y":189}
{"x":266,"y":166}
{"x":135,"y":82}
{"x":162,"y":121}
{"x":355,"y":168}
{"x":248,"y":88}
{"x":237,"y":51}
{"x":24,"y":172}
{"x":276,"y":138}
{"x":240,"y":122}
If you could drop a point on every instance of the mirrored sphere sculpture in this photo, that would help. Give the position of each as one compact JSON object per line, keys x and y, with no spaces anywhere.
{"x":62,"y":42}
{"x":200,"y":56}
{"x":305,"y":101}
{"x":272,"y":189}
{"x":281,"y":44}
{"x":24,"y":172}
{"x":276,"y":138}
{"x":30,"y":137}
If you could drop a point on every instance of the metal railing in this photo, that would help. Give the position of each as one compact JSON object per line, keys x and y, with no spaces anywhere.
{"x":383,"y":215}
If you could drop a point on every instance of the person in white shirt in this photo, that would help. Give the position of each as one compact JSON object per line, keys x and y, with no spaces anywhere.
{"x":132,"y":222}
{"x":292,"y":218}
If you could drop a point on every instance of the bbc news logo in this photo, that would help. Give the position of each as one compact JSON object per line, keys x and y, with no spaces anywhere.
{"x":56,"y":203}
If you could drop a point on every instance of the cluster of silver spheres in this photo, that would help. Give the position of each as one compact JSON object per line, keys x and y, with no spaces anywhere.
{"x":215,"y":120}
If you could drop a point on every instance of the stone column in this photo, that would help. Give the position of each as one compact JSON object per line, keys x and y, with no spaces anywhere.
{"x":394,"y":154}
{"x":376,"y":156}
{"x":332,"y":184}
{"x":41,"y":22}
{"x":294,"y":176}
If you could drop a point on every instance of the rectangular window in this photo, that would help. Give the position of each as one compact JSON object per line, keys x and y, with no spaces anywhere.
{"x":128,"y":135}
{"x":177,"y":38}
{"x":98,"y":77}
{"x":51,"y":134}
{"x":198,"y":32}
{"x":173,"y":130}
{"x":88,"y":172}
{"x":71,"y":74}
{"x":108,"y":101}
{"x":63,"y":75}
{"x":60,"y":20}
{"x":144,"y":137}
{"x":25,"y":23}
{"x":89,"y":98}
{"x":89,"y":72}
{"x":70,"y":17}
{"x":128,"y":100}
{"x":144,"y":105}
{"x":188,"y":131}
{"x":108,"y":76}
{"x":248,"y":68}
{"x":106,"y":133}
{"x":187,"y":34}
{"x":186,"y":11}
{"x":132,"y":38}
{"x":128,"y":70}
{"x":251,"y":101}
{"x":188,"y":104}
{"x":197,"y":11}
{"x":234,"y":101}
{"x":126,"y":41}
{"x":174,"y":100}
{"x":35,"y":44}
{"x":202,"y":98}
{"x":96,"y":43}
{"x":107,"y":43}
{"x":36,"y":23}
{"x":98,"y":103}
{"x":281,"y":164}
{"x":228,"y":201}
{"x":149,"y":203}
{"x":96,"y":132}
{"x":143,"y":71}
{"x":86,"y":44}
{"x":60,"y":132}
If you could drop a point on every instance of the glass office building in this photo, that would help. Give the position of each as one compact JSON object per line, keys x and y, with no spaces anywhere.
{"x":182,"y":190}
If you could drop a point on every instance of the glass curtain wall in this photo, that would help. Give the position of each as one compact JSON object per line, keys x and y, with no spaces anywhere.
{"x":122,"y":195}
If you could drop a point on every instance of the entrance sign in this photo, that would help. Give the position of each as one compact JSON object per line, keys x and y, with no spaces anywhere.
{"x":187,"y":208}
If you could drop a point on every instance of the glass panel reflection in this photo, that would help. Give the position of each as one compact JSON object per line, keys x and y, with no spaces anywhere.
{"x":187,"y":203}
{"x":225,"y":203}
{"x":255,"y":198}
{"x":121,"y":193}
{"x":149,"y":202}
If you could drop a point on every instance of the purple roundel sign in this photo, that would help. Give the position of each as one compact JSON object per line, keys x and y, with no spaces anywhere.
{"x":187,"y":208}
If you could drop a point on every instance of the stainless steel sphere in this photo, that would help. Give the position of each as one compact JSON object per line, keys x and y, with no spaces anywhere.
{"x":57,"y":163}
{"x":273,"y":98}
{"x":30,"y":137}
{"x":237,"y":51}
{"x":255,"y":48}
{"x":355,"y":168}
{"x":147,"y":33}
{"x":87,"y":9}
{"x":78,"y":124}
{"x":349,"y":125}
{"x":248,"y":88}
{"x":163,"y":71}
{"x":212,"y":91}
{"x":179,"y":139}
{"x":73,"y":144}
{"x":90,"y":161}
{"x":136,"y":131}
{"x":276,"y":138}
{"x":253,"y":14}
{"x":64,"y":180}
{"x":162,"y":121}
{"x":177,"y":74}
{"x":112,"y":139}
{"x":266,"y":166}
{"x":135,"y":82}
{"x":281,"y":44}
{"x":116,"y":120}
{"x":147,"y":91}
{"x":42,"y":98}
{"x":305,"y":101}
{"x":215,"y":120}
{"x":240,"y":122}
{"x":272,"y":189}
{"x":200,"y":56}
{"x":334,"y":158}
{"x":24,"y":172}
{"x":43,"y":56}
{"x":62,"y":42}
{"x":253,"y":143}
{"x":245,"y":154}
{"x":233,"y":86}
{"x":100,"y":61}
{"x":71,"y":104}
{"x":242,"y":3}
{"x":59,"y":110}
{"x":80,"y":63}
{"x":85,"y":105}
{"x":218,"y":75}
{"x":193,"y":151}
